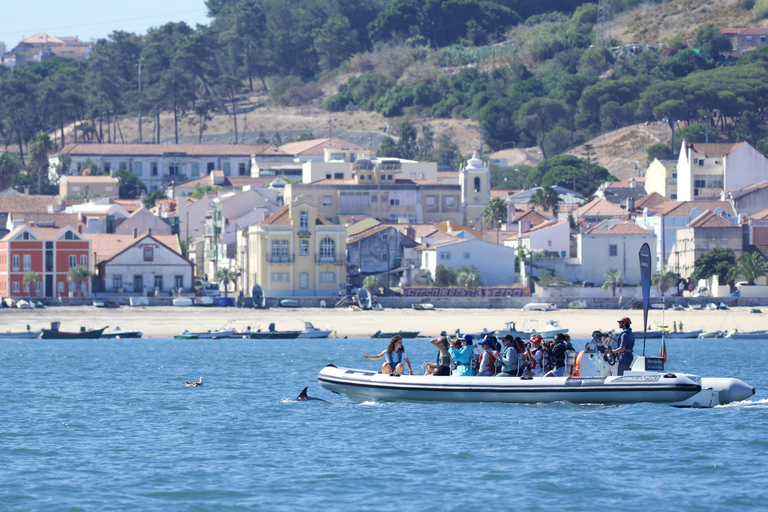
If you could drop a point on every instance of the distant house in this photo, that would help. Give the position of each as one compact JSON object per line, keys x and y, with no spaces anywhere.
{"x":140,"y":264}
{"x":599,"y":210}
{"x":707,"y":231}
{"x":49,"y":252}
{"x":495,"y":263}
{"x":381,"y":248}
{"x":749,"y":200}
{"x":661,"y":178}
{"x":89,"y":187}
{"x":143,"y":221}
{"x":520,"y":201}
{"x":551,"y":237}
{"x":745,"y":39}
{"x":43,"y":46}
{"x":624,"y":193}
{"x":612,"y":245}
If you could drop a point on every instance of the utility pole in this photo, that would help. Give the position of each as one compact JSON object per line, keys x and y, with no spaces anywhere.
{"x":141,"y":60}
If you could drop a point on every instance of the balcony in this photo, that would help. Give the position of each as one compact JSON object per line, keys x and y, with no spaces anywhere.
{"x":281,"y":258}
{"x":334,"y":259}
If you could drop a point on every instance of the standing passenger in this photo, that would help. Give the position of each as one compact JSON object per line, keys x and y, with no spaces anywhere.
{"x":463,"y":355}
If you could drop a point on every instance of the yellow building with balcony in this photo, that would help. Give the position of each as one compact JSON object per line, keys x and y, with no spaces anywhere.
{"x":297,"y":253}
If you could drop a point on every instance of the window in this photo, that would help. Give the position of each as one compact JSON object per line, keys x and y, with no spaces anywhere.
{"x":27,"y":262}
{"x":153,"y":168}
{"x":226,"y":169}
{"x":149,"y":254}
{"x":275,"y":248}
{"x":159,"y":283}
{"x":303,"y":220}
{"x":280,"y":277}
{"x":303,"y":280}
{"x":430,"y":200}
{"x":84,"y":287}
{"x":138,"y":168}
{"x":613,"y":250}
{"x":196,"y":169}
{"x":122,"y":165}
{"x":178,"y":282}
{"x":16,"y":286}
{"x":374,"y":198}
{"x":69,"y":235}
{"x":25,"y":235}
{"x":328,"y":176}
{"x":327,"y":249}
{"x":327,"y":277}
{"x":450,"y":201}
{"x":241,"y":169}
{"x":60,"y":287}
{"x":84,"y":260}
{"x":477,"y":185}
{"x":389,"y":177}
{"x":338,"y":175}
{"x":107,"y":167}
{"x":354,"y":198}
{"x":699,"y":181}
{"x":72,"y":261}
{"x":38,"y":287}
{"x":26,"y":287}
{"x":394,"y":202}
{"x":72,"y":287}
{"x":174,"y":169}
{"x":117,"y":282}
{"x":466,"y":255}
{"x":303,"y":247}
{"x":284,"y":248}
{"x":327,"y":200}
{"x":445,"y":255}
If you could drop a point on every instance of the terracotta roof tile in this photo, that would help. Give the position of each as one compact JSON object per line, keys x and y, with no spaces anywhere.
{"x":760,"y":215}
{"x":684,"y":208}
{"x":600,"y":207}
{"x":26,"y":203}
{"x":650,"y":201}
{"x":318,"y":146}
{"x":620,"y":228}
{"x":90,"y":179}
{"x":711,"y":220}
{"x":714,"y":149}
{"x":161,"y":149}
{"x":59,"y":219}
{"x":107,"y":245}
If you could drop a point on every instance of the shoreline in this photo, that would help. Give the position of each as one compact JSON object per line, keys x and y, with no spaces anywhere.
{"x":168,"y":321}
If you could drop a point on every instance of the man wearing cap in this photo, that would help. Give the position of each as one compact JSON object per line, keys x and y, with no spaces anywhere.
{"x":486,"y":358}
{"x":626,"y":344}
{"x":463,"y":356}
{"x":508,"y":357}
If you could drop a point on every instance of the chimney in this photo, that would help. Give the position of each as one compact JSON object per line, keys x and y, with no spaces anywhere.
{"x":149,"y":231}
{"x":31,"y":223}
{"x":80,"y":228}
{"x":135,"y":232}
{"x":632,"y":183}
{"x":111,"y":173}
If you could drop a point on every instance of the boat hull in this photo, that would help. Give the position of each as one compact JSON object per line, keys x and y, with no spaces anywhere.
{"x":362,"y":385}
{"x":274,"y":335}
{"x":390,"y":335}
{"x":121,"y":334}
{"x":319,"y":333}
{"x":63,"y":335}
{"x":23,"y":335}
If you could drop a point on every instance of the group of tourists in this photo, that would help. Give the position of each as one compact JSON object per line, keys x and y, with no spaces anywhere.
{"x":509,"y":358}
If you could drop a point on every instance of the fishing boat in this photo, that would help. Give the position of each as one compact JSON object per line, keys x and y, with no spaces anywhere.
{"x":23,"y":335}
{"x":186,"y":335}
{"x":289,"y":303}
{"x":390,"y":335}
{"x":684,"y":334}
{"x":511,"y":329}
{"x":224,"y":332}
{"x":712,"y":334}
{"x":551,"y":328}
{"x":310,"y":331}
{"x":423,"y":306}
{"x":83,"y":333}
{"x":118,"y":333}
{"x":746,"y":335}
{"x":270,"y":334}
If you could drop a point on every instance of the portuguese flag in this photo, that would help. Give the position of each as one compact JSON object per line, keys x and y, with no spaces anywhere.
{"x":663,"y":350}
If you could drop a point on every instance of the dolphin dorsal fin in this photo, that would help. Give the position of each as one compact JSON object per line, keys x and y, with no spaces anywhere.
{"x":303,"y":393}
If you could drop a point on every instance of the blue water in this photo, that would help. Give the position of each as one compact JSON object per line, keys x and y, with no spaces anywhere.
{"x":108,"y":425}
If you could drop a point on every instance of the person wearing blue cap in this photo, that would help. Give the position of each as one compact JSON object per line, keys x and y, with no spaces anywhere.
{"x":461,"y":352}
{"x":487,"y":361}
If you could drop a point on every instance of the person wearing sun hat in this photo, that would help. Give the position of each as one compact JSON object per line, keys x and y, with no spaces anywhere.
{"x":626,"y":340}
{"x":535,"y":357}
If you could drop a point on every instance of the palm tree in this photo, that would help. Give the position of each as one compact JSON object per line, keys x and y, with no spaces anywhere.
{"x":39,"y":147}
{"x":664,"y":279}
{"x":224,"y":276}
{"x":32,"y":278}
{"x":750,"y":266}
{"x":468,"y":277}
{"x":78,"y":275}
{"x":613,"y":280}
{"x":8,"y":169}
{"x":547,"y":198}
{"x":494,"y":212}
{"x":371,"y":283}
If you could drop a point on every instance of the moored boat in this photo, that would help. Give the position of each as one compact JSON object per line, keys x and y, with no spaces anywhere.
{"x":257,"y":294}
{"x":25,"y":335}
{"x":183,"y":302}
{"x":364,"y":299}
{"x":684,"y":334}
{"x":204,"y":301}
{"x":118,"y":333}
{"x":83,"y":333}
{"x":310,"y":331}
{"x":270,"y":334}
{"x":390,"y":335}
{"x":289,"y":303}
{"x":746,"y":335}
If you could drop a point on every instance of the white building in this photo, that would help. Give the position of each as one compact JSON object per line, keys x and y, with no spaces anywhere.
{"x":613,"y":245}
{"x":551,"y":237}
{"x":160,"y":164}
{"x":705,"y":170}
{"x":495,"y":263}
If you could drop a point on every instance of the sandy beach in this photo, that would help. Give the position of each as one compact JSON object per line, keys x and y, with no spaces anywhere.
{"x":165,"y":322}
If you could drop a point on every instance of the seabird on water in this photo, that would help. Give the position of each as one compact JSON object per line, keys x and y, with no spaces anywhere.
{"x":193,"y":384}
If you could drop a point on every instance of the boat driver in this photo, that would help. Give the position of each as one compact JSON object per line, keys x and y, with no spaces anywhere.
{"x":626,"y":344}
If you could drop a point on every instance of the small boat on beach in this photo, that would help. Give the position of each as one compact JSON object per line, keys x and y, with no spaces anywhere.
{"x":183,"y":302}
{"x":540,"y":306}
{"x":23,"y":304}
{"x":138,"y":301}
{"x":259,"y":301}
{"x":223,"y":302}
{"x":364,"y":299}
{"x":684,"y":334}
{"x":746,"y":335}
{"x":712,"y":334}
{"x":204,"y":302}
{"x":288,"y":303}
{"x":118,"y":333}
{"x":310,"y":331}
{"x":577,"y":304}
{"x":423,"y":306}
{"x":390,"y":335}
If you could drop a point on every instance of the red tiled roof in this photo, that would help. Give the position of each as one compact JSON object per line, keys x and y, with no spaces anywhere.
{"x":107,"y":245}
{"x":684,"y":208}
{"x":27,"y":203}
{"x":600,"y":207}
{"x":626,"y":184}
{"x":711,"y":220}
{"x":129,"y":205}
{"x":622,"y":228}
{"x":714,"y":149}
{"x":317,"y":146}
{"x":60,"y":219}
{"x":282,"y":217}
{"x":650,"y":201}
{"x":760,"y":215}
{"x":531,"y":216}
{"x":161,"y":149}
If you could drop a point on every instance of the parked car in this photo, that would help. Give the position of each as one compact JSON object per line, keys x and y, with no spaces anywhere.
{"x":211,"y":289}
{"x":587,"y":284}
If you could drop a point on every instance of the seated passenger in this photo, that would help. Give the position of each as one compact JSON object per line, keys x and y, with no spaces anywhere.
{"x":558,"y":356}
{"x":442,"y":366}
{"x":507,"y":356}
{"x":535,"y":357}
{"x":394,"y":355}
{"x":486,"y":358}
{"x":522,"y":357}
{"x":461,"y":353}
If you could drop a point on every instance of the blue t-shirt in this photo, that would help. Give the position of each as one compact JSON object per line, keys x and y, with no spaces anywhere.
{"x":626,"y":340}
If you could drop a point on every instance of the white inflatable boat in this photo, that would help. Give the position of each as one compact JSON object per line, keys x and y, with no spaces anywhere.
{"x":647,"y":381}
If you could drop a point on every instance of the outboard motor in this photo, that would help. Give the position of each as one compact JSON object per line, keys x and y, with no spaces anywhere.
{"x":272,"y":327}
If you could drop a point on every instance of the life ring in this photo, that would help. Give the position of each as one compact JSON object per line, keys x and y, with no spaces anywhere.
{"x":577,"y":364}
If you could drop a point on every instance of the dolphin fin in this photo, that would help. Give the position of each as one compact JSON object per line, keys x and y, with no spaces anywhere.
{"x":302,"y":395}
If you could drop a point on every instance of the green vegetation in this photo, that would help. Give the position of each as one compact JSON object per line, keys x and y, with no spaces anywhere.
{"x":468,"y":277}
{"x":750,"y":266}
{"x":613,"y":279}
{"x":78,"y":275}
{"x":445,"y":276}
{"x":715,"y":261}
{"x":664,"y":279}
{"x":130,"y":185}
